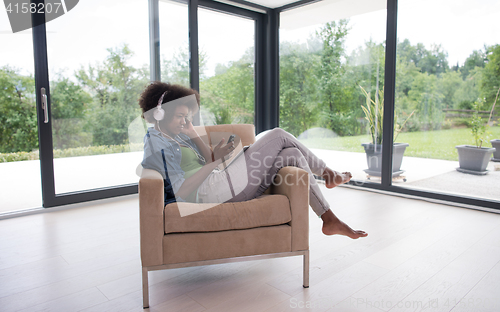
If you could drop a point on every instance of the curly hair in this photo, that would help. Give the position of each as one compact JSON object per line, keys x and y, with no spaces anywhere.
{"x":152,"y":93}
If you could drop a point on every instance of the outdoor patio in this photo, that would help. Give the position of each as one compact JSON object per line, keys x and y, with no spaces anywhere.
{"x":21,"y":187}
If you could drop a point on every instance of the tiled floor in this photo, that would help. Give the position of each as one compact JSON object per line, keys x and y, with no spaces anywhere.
{"x":418,"y":256}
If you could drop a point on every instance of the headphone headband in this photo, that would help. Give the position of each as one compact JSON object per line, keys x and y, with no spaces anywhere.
{"x":160,"y":101}
{"x":159,"y":113}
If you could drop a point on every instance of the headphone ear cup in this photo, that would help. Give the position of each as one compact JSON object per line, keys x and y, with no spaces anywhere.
{"x":159,"y":113}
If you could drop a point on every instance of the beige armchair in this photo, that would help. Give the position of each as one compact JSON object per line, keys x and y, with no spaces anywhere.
{"x":275,"y":224}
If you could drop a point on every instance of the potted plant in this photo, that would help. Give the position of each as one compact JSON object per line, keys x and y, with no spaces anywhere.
{"x":474,"y":158}
{"x":374,"y":114}
{"x":495,"y":143}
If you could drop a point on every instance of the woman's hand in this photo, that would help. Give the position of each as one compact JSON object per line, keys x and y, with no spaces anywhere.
{"x":189,"y":129}
{"x":222,"y":151}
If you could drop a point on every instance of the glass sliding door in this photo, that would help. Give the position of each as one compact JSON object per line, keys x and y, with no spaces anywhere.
{"x":98,"y":60}
{"x":90,"y":65}
{"x":227,"y":58}
{"x":20,"y":180}
{"x":332,"y":62}
{"x":447,"y":77}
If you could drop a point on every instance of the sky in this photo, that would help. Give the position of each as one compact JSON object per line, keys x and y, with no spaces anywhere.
{"x":460,"y":26}
{"x":81,"y":36}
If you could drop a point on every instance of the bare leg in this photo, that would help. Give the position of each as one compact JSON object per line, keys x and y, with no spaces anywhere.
{"x":334,"y":178}
{"x":333,"y":225}
{"x":279,"y":149}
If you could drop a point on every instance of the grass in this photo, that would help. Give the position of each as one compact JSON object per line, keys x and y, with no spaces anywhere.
{"x":427,"y":144}
{"x":438,"y":144}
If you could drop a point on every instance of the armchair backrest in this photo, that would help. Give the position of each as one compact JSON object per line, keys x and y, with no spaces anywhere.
{"x":246,"y":132}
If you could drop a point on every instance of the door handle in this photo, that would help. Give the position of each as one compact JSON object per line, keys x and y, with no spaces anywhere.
{"x":44,"y":106}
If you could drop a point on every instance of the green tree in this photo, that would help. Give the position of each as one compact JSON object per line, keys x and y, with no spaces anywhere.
{"x":469,"y":91}
{"x":368,"y":65}
{"x":18,"y":120}
{"x":476,"y":59}
{"x":115,"y":87}
{"x":176,"y":70}
{"x":405,"y":75}
{"x":68,"y":105}
{"x":299,"y":95}
{"x":410,"y":53}
{"x":490,"y":80}
{"x":406,"y":72}
{"x":426,"y":99}
{"x":365,"y":68}
{"x":229,"y":94}
{"x":434,"y":61}
{"x":338,"y":92}
{"x":450,"y":83}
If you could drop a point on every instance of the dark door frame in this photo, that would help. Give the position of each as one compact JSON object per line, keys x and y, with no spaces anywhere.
{"x":49,"y":196}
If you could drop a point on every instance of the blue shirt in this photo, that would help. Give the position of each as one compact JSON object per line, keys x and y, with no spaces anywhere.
{"x":164,"y":155}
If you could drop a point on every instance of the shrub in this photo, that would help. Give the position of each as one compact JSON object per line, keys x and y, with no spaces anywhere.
{"x":73,"y":152}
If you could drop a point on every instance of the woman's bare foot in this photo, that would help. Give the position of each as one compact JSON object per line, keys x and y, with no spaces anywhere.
{"x":334,"y":178}
{"x":333,"y":225}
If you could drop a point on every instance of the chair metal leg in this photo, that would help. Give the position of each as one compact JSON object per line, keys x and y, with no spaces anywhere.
{"x":145,"y":288}
{"x":306,"y":270}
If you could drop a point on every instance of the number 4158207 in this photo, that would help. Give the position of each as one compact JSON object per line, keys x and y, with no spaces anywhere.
{"x":33,"y":8}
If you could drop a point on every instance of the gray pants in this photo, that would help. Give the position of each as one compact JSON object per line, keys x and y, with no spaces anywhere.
{"x":250,"y":175}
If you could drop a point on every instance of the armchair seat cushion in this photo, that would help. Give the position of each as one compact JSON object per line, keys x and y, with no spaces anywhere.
{"x":265,"y":210}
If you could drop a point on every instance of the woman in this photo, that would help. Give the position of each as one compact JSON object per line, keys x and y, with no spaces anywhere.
{"x":189,"y":167}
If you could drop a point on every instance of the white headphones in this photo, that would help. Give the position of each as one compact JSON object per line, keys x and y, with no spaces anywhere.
{"x":159,"y":113}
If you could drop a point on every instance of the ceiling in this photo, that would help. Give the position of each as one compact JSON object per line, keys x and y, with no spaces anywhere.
{"x":314,"y":12}
{"x":328,"y":10}
{"x":272,"y":3}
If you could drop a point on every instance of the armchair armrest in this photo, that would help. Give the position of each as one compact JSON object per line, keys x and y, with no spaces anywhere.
{"x":293,"y":182}
{"x":151,"y":206}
